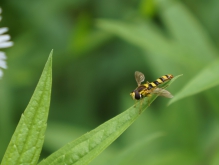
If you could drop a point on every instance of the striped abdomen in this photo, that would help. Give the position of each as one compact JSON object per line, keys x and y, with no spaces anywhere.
{"x":158,"y":81}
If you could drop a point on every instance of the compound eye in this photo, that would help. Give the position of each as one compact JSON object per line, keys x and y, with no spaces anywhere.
{"x":137,"y":96}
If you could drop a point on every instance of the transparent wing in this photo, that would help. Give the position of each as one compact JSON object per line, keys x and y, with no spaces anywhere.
{"x":139,"y":77}
{"x":162,"y":92}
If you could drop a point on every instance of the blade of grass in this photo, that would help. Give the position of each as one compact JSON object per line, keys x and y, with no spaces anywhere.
{"x":148,"y":37}
{"x":90,"y":145}
{"x":27,"y":140}
{"x":205,"y":79}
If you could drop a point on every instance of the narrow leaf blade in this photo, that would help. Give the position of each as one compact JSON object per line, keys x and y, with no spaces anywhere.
{"x":206,"y":79}
{"x":27,"y":140}
{"x":146,"y":36}
{"x":84,"y":149}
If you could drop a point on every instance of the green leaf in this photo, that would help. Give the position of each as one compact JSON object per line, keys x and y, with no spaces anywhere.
{"x":206,"y":79}
{"x":27,"y":140}
{"x":90,"y":145}
{"x":147,"y":36}
{"x":183,"y":38}
{"x":187,"y":30}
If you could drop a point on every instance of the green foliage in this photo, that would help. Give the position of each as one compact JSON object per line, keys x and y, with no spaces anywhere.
{"x":203,"y":81}
{"x":99,"y":45}
{"x":87,"y":147}
{"x":182,"y":48}
{"x":131,"y":152}
{"x":28,"y":137}
{"x":27,"y":140}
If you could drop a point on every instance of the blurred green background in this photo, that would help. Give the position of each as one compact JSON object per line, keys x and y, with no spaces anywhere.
{"x":98,"y":45}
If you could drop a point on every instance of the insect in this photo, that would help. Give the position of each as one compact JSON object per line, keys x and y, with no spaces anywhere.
{"x":144,"y":90}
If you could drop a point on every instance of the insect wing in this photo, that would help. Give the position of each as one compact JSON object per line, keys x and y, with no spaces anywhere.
{"x":139,"y":77}
{"x":162,"y":92}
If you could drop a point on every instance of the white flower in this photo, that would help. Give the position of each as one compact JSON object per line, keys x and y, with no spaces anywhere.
{"x":4,"y":43}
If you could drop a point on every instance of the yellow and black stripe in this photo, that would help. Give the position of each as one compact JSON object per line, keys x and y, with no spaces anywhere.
{"x":158,"y":81}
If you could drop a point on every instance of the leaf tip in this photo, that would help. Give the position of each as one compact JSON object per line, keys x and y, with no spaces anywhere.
{"x":51,"y":53}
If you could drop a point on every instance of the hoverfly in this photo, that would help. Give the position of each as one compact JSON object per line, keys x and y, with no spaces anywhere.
{"x":144,"y":90}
